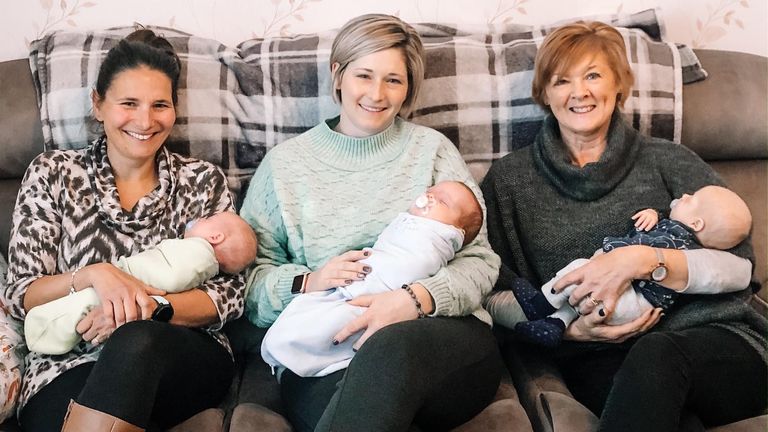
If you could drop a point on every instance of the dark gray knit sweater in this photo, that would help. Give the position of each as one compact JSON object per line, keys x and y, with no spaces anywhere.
{"x":544,"y":212}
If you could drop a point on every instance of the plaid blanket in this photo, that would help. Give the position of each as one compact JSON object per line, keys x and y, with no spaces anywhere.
{"x":236,"y":103}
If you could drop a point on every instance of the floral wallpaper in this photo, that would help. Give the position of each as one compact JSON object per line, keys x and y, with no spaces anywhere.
{"x":738,"y":25}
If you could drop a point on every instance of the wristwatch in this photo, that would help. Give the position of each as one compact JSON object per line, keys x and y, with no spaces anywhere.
{"x":299,"y":283}
{"x":659,"y":273}
{"x":164,"y":310}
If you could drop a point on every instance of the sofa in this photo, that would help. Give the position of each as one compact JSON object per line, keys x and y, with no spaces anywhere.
{"x":722,"y":117}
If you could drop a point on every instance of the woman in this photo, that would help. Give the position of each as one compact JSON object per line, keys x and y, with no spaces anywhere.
{"x":79,"y":210}
{"x":316,"y":201}
{"x":585,"y":174}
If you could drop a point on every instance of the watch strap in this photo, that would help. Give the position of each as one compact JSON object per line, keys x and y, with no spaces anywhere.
{"x":659,"y":272}
{"x":160,"y":300}
{"x":164,"y":310}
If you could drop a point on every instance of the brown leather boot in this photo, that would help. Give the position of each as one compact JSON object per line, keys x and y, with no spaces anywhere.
{"x":80,"y":418}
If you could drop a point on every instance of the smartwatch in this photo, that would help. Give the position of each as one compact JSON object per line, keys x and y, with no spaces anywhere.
{"x":299,"y":284}
{"x":659,"y":273}
{"x":164,"y":310}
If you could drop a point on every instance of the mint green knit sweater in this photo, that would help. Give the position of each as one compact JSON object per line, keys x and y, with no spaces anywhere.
{"x":322,"y":193}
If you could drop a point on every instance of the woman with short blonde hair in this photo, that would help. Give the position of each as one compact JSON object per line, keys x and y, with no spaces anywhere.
{"x":371,"y":33}
{"x":319,"y":200}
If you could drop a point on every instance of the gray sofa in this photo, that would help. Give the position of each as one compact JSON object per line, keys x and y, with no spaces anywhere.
{"x":724,"y":121}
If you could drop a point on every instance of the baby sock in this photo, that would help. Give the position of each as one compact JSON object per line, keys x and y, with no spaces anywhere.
{"x":534,"y":304}
{"x":547,"y":332}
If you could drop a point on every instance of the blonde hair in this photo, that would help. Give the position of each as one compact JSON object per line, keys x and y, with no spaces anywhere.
{"x":572,"y":43}
{"x":371,"y":33}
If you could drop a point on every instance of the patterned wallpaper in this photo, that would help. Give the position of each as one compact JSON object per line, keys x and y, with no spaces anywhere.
{"x":738,"y":25}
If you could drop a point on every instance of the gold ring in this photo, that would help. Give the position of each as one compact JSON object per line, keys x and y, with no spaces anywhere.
{"x":594,"y":302}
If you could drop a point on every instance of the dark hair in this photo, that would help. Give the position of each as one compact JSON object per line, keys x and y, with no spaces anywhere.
{"x":140,"y":48}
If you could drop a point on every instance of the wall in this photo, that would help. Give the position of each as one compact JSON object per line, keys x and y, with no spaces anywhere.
{"x":738,"y":25}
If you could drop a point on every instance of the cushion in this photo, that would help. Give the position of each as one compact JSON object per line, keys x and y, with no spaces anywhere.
{"x":12,"y":352}
{"x":21,"y":136}
{"x":235,"y":103}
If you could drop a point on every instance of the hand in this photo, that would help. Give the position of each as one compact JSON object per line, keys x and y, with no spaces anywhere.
{"x":96,"y":327}
{"x":383,"y":309}
{"x":604,"y":278}
{"x":123,"y":297}
{"x":339,"y":271}
{"x":591,"y":327}
{"x":646,"y":219}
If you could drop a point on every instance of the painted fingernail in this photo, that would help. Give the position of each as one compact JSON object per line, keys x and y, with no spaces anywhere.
{"x":366,"y":253}
{"x":367,"y":269}
{"x":348,"y":281}
{"x":335,"y":342}
{"x":354,"y":349}
{"x":601,"y":312}
{"x":552,"y":291}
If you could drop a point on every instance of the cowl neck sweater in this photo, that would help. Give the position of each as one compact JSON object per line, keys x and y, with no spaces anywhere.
{"x":595,"y":179}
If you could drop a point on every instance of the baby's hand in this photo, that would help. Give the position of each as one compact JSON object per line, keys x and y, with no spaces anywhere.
{"x":645,"y":219}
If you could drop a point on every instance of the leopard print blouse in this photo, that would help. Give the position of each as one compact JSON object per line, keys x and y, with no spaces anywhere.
{"x":68,"y":214}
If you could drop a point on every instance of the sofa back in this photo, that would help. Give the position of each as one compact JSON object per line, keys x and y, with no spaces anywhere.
{"x":237,"y":102}
{"x":723,"y":120}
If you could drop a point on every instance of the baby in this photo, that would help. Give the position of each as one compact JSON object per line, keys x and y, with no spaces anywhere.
{"x":415,"y":245}
{"x":223,"y":242}
{"x":713,"y":217}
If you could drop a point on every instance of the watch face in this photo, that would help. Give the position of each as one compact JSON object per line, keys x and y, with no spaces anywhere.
{"x":163,"y":313}
{"x":659,"y":273}
{"x":298,"y":281}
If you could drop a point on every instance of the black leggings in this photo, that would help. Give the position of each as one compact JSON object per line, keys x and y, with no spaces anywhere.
{"x":435,"y":372}
{"x":671,"y":381}
{"x":148,"y":373}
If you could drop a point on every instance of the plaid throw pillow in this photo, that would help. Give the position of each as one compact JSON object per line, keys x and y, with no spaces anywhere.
{"x":235,"y":103}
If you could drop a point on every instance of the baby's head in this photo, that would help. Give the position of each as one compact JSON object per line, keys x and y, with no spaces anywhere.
{"x":720,"y":218}
{"x":233,"y":240}
{"x":452,"y":203}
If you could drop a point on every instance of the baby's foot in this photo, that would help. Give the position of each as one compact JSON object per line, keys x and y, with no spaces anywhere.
{"x":547,"y":332}
{"x":533,"y":302}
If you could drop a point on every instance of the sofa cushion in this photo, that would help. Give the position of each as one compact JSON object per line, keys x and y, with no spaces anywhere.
{"x":254,"y":417}
{"x":725,"y":115}
{"x":235,"y":103}
{"x":21,"y":135}
{"x":210,"y":420}
{"x":8,"y":190}
{"x":565,"y":413}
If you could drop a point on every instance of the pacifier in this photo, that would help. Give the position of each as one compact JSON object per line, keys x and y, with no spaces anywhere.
{"x":424,"y":203}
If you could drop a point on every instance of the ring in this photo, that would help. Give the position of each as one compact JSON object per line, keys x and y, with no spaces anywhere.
{"x":594,"y":302}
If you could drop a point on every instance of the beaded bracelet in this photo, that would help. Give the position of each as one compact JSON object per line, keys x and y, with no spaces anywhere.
{"x":415,"y":300}
{"x":72,"y":289}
